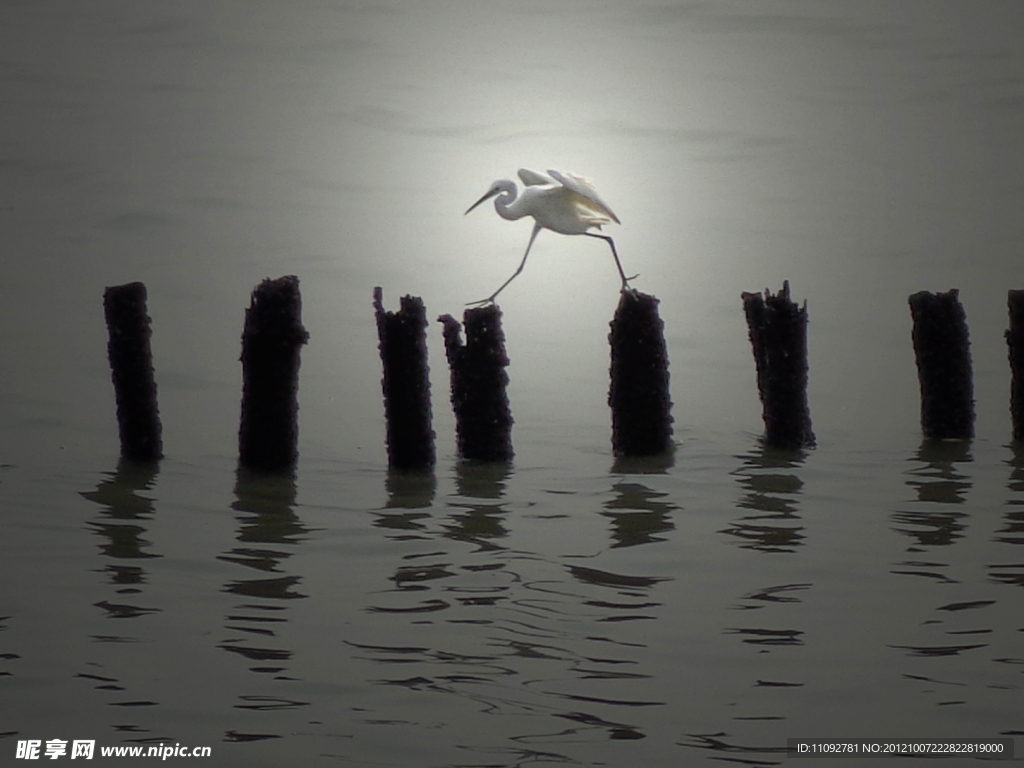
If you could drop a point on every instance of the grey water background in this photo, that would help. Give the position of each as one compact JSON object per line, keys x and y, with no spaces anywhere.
{"x":566,"y":610}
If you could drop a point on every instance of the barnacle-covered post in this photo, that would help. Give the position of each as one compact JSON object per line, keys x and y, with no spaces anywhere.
{"x":402,"y":339}
{"x":268,"y":435}
{"x":131,"y":369}
{"x":639,"y":394}
{"x":942,"y":347}
{"x":1015,"y":341}
{"x":778,"y":335}
{"x":483,"y":420}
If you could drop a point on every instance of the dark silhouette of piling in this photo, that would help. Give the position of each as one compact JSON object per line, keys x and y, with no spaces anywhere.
{"x":778,"y":335}
{"x":639,"y":392}
{"x":1015,"y":340}
{"x":131,"y":368}
{"x":273,"y":337}
{"x":483,"y":421}
{"x":406,"y":383}
{"x":943,"y":350}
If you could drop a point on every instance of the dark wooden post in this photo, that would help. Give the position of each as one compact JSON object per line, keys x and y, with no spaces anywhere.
{"x":131,"y":368}
{"x":778,"y":335}
{"x":483,"y":420}
{"x":273,"y":337}
{"x":403,"y":352}
{"x":1015,"y":340}
{"x":639,"y":394}
{"x":943,"y":350}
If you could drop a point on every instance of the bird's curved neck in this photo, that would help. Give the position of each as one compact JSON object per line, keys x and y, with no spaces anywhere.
{"x":506,"y":204}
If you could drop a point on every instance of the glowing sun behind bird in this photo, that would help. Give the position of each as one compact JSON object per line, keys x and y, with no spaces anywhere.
{"x":559,"y":201}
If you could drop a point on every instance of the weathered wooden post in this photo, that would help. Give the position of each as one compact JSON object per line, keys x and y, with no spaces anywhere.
{"x":778,"y":335}
{"x":1015,"y":341}
{"x":403,"y":352}
{"x":483,"y":420}
{"x":943,"y":350}
{"x":639,"y":394}
{"x":273,"y":337}
{"x":131,"y":368}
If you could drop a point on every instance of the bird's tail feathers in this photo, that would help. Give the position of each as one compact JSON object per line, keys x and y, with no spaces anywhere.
{"x":594,"y":221}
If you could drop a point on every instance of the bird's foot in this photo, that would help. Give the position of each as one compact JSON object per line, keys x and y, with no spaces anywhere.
{"x":482,"y":302}
{"x":626,"y":287}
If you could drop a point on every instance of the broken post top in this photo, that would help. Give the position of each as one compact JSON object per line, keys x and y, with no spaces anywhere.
{"x":777,"y":327}
{"x":635,"y":305}
{"x":779,"y":302}
{"x":484,"y":335}
{"x":411,"y":309}
{"x":127,"y":317}
{"x":402,"y":342}
{"x":926,"y":301}
{"x":275,"y":311}
{"x":483,"y":420}
{"x":129,"y":293}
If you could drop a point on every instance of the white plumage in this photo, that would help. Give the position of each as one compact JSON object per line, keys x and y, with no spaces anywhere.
{"x":559,"y":201}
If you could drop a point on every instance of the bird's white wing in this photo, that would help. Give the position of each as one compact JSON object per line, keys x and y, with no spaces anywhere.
{"x":533,"y":179}
{"x":583,"y":188}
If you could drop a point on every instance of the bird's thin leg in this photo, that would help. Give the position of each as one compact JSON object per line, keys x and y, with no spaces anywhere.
{"x":625,"y":280}
{"x":490,"y":299}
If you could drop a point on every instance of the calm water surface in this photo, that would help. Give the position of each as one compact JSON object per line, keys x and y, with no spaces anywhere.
{"x":564,"y":610}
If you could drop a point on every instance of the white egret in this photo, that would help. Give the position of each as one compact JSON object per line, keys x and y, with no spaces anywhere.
{"x":562,"y":202}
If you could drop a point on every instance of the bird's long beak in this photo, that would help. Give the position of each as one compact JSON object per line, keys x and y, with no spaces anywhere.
{"x":490,"y":193}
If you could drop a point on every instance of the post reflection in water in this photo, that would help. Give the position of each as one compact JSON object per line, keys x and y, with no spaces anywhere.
{"x":772,"y":525}
{"x":656,"y":464}
{"x":410,"y":491}
{"x":936,"y":519}
{"x":474,"y":583}
{"x":268,"y":530}
{"x":483,"y":483}
{"x":482,"y":479}
{"x":1012,"y":531}
{"x":121,"y":501}
{"x":942,"y":484}
{"x":960,"y":629}
{"x":638,"y":514}
{"x":531,"y":642}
